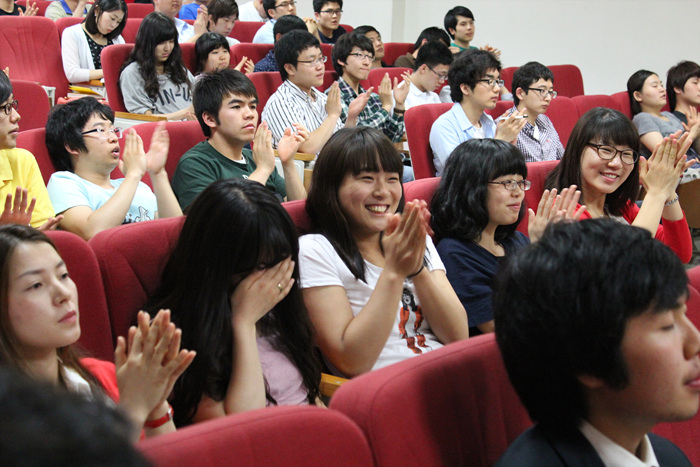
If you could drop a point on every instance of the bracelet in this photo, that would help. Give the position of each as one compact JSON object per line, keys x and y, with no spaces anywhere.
{"x":672,"y":202}
{"x":399,"y":111}
{"x":416,"y":273}
{"x":158,"y":422}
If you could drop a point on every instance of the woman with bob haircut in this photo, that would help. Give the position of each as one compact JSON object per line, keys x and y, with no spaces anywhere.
{"x":602,"y":159}
{"x":39,"y":325}
{"x":241,"y":305}
{"x":213,"y":53}
{"x":372,"y":280}
{"x":154,"y":79}
{"x":475,"y":212}
{"x":82,"y":44}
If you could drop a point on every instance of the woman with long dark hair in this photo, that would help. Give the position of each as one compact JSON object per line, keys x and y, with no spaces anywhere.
{"x":231,"y":282}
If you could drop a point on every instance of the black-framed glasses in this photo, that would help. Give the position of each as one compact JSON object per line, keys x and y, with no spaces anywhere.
{"x":332,"y":12}
{"x":105,"y":133}
{"x":286,"y":4}
{"x":362,"y":56}
{"x":491,"y":82}
{"x":441,"y":77}
{"x":510,"y":185}
{"x":608,"y":153}
{"x":9,"y":106}
{"x":543,"y":92}
{"x":312,"y":63}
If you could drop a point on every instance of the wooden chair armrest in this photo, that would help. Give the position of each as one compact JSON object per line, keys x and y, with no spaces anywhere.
{"x":141,"y":117}
{"x":330,"y":384}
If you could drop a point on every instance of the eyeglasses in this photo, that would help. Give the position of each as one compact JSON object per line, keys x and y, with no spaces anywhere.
{"x":608,"y":153}
{"x":9,"y":106}
{"x":318,"y":61}
{"x":543,"y":92}
{"x":492,"y":82}
{"x":285,"y":5}
{"x":332,"y":12}
{"x":510,"y":185}
{"x":105,"y":133}
{"x":441,"y":77}
{"x":362,"y":57}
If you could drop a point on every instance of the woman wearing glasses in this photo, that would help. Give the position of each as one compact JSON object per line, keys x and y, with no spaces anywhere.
{"x":84,"y":147}
{"x":602,"y":158}
{"x":475,"y":211}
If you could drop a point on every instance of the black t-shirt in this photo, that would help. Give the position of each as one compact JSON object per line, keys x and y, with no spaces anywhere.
{"x":15,"y":11}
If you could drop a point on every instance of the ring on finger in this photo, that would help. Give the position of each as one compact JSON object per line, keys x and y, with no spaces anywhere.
{"x":279,"y":286}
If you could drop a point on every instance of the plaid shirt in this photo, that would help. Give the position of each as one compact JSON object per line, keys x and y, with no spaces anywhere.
{"x":547,"y":148}
{"x":372,"y":115}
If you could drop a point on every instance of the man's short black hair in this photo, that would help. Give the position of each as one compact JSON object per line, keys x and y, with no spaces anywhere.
{"x":677,"y":76}
{"x":343,"y":47}
{"x":269,"y":5}
{"x":288,"y":23}
{"x":222,"y":9}
{"x":65,"y":125}
{"x":5,"y":87}
{"x":527,"y":75}
{"x":212,"y":88}
{"x":319,"y":4}
{"x":451,"y":18}
{"x":468,"y":68}
{"x":432,"y":33}
{"x":290,"y":46}
{"x":561,"y":307}
{"x":433,"y":53}
{"x":365,"y":29}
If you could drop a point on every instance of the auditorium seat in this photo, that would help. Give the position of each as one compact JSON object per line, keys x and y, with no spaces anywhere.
{"x":585,"y":103}
{"x":536,"y":173}
{"x":329,"y":77}
{"x":563,"y":114}
{"x":30,"y":47}
{"x":288,"y":435}
{"x":507,"y":77}
{"x":418,"y":121}
{"x":266,"y":83}
{"x":41,"y":5}
{"x":376,"y":75}
{"x":131,"y":28}
{"x":326,"y":50}
{"x":188,"y":56}
{"x":567,"y":80}
{"x":623,"y":102}
{"x":113,"y":57}
{"x":63,"y":23}
{"x":452,"y":406}
{"x":254,"y":52}
{"x":244,"y":31}
{"x":139,"y":10}
{"x":33,"y":104}
{"x":394,"y":50}
{"x":501,"y":108}
{"x":96,"y":335}
{"x":347,"y":28}
{"x":421,"y":189}
{"x":297,"y":211}
{"x":34,"y":141}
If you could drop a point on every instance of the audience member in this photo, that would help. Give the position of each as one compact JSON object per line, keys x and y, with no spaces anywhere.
{"x":275,"y":10}
{"x":282,"y":26}
{"x":66,"y":8}
{"x":185,"y":31}
{"x":533,"y":90}
{"x":226,"y":107}
{"x":459,"y":23}
{"x":430,"y":34}
{"x":602,"y":159}
{"x":10,"y":8}
{"x":189,"y":11}
{"x":241,"y":305}
{"x":222,"y":15}
{"x":40,"y":323}
{"x":372,"y":280}
{"x":154,"y":80}
{"x":682,"y":101}
{"x":475,"y":83}
{"x":376,"y":38}
{"x":327,"y":14}
{"x":212,"y":53}
{"x":82,"y":44}
{"x":297,"y":101}
{"x":474,"y":214}
{"x":592,"y":327}
{"x":252,"y":11}
{"x":430,"y":70}
{"x":84,"y":147}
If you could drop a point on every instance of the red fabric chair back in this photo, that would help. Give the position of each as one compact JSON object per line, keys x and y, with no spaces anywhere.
{"x":418,"y":121}
{"x":326,"y":50}
{"x":329,"y":77}
{"x":63,"y":23}
{"x":563,"y":114}
{"x":457,"y":401}
{"x":275,"y":436}
{"x":507,"y":77}
{"x":245,"y":31}
{"x":623,"y":102}
{"x":189,"y":57}
{"x":255,"y":52}
{"x":297,"y":211}
{"x":34,"y":141}
{"x":139,"y":10}
{"x":131,"y":259}
{"x":376,"y":75}
{"x":34,"y":104}
{"x":96,"y":335}
{"x":30,"y":47}
{"x":421,"y":189}
{"x":567,"y":80}
{"x":266,"y":83}
{"x":585,"y":103}
{"x":501,"y":108}
{"x":113,"y":57}
{"x":41,"y":5}
{"x":393,"y":50}
{"x":347,"y":28}
{"x":536,"y":173}
{"x":132,"y":27}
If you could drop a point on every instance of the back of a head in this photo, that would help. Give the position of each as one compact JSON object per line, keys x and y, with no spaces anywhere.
{"x":288,"y":23}
{"x":450,"y":21}
{"x":468,"y":68}
{"x":5,"y":88}
{"x":676,"y":78}
{"x":561,"y":307}
{"x":212,"y":88}
{"x":433,"y":53}
{"x":290,"y":46}
{"x":527,"y":75}
{"x":430,"y":34}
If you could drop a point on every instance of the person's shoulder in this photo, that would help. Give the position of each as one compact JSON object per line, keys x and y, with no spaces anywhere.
{"x":64,"y":176}
{"x":131,"y":69}
{"x":520,"y":239}
{"x":199,"y":150}
{"x":668,"y":453}
{"x":315,"y":241}
{"x":643,"y":116}
{"x":530,"y":449}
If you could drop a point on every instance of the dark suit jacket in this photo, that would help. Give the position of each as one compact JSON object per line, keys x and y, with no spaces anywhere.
{"x":540,"y":447}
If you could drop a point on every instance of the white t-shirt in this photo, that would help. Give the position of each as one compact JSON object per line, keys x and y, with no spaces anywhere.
{"x":418,"y":97}
{"x":320,"y":265}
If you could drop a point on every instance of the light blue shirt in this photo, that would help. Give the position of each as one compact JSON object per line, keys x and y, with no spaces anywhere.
{"x":264,"y":34}
{"x":453,"y":128}
{"x":184,"y":30}
{"x":68,"y":190}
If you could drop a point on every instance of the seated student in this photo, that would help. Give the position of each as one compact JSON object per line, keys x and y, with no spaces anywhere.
{"x":65,"y":8}
{"x":84,"y":148}
{"x":282,"y":26}
{"x":533,"y":90}
{"x":475,"y":83}
{"x":276,"y":9}
{"x":328,"y":13}
{"x":252,"y":11}
{"x":10,"y":8}
{"x":376,"y":38}
{"x":241,"y":304}
{"x":430,"y":70}
{"x":352,"y":55}
{"x":591,"y":323}
{"x":82,"y":44}
{"x":212,"y":53}
{"x":430,"y":34}
{"x":683,"y":89}
{"x":19,"y":173}
{"x":372,"y":280}
{"x":301,"y":65}
{"x":475,"y":212}
{"x":189,"y":11}
{"x":459,"y":24}
{"x":225,"y":104}
{"x":40,"y":323}
{"x":185,"y":31}
{"x":222,"y":15}
{"x":154,"y":80}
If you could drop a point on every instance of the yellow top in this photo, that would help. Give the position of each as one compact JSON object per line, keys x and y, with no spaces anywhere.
{"x":19,"y":168}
